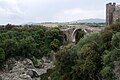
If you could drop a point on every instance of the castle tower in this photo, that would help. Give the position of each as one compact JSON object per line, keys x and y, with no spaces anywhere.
{"x":110,"y":8}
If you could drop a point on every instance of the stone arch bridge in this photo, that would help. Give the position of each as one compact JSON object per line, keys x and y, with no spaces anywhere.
{"x":69,"y":34}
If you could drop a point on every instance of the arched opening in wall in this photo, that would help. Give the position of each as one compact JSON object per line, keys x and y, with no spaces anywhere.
{"x":64,"y":38}
{"x":77,"y":35}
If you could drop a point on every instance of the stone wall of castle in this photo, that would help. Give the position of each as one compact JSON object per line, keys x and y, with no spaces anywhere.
{"x":116,"y":13}
{"x":112,"y":13}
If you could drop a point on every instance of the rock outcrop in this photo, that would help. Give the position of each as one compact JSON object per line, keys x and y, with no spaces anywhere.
{"x":117,"y":69}
{"x":23,"y":70}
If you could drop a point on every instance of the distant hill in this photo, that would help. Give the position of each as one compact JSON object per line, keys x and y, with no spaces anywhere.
{"x":91,"y":20}
{"x":96,"y":20}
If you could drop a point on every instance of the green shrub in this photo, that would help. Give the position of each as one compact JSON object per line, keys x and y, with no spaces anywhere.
{"x":2,"y":55}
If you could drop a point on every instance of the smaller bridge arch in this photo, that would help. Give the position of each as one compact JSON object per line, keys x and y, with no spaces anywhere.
{"x":65,"y":39}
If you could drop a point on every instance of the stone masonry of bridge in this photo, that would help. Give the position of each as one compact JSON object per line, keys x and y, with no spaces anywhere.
{"x":69,"y":34}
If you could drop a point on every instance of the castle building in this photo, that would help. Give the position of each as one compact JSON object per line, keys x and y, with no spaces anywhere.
{"x":112,"y":13}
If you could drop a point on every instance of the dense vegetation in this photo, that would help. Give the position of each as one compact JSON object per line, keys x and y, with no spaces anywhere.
{"x":95,"y":57}
{"x":28,"y":41}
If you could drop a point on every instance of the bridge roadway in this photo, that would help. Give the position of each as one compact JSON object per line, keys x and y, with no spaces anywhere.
{"x":82,"y":27}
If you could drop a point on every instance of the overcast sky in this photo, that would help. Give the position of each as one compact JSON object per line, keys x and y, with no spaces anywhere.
{"x":24,"y":11}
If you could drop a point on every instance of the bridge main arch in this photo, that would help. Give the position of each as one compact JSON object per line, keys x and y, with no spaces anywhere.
{"x":75,"y":34}
{"x":72,"y":34}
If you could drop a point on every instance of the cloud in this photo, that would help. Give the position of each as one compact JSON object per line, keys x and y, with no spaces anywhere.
{"x":24,"y":11}
{"x":10,"y":7}
{"x":10,"y":11}
{"x":77,"y":13}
